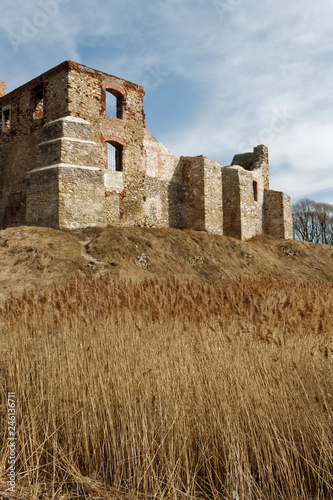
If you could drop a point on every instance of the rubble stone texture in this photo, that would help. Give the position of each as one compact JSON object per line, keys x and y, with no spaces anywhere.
{"x":56,"y":171}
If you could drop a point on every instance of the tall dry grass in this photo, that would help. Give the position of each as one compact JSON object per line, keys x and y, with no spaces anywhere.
{"x":171,"y":391}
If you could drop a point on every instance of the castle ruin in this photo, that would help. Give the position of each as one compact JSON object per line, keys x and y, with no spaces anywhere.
{"x":70,"y":160}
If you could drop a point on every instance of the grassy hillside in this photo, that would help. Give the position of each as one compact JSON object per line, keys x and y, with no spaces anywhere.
{"x":35,"y":257}
{"x":207,"y":375}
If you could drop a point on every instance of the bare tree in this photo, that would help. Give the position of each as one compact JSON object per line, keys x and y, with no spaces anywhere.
{"x":313,"y":221}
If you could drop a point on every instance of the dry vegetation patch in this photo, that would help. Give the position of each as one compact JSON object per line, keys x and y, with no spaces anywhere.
{"x":34,"y":257}
{"x":207,"y":258}
{"x":171,"y":389}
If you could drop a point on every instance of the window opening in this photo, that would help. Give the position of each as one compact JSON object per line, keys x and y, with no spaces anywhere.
{"x":114,"y":104}
{"x":255,"y":191}
{"x":114,"y":156}
{"x":6,"y":119}
{"x":38,"y":103}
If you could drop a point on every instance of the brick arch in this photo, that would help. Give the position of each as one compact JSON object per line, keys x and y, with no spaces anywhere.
{"x":113,"y":138}
{"x":118,"y":89}
{"x":118,"y":152}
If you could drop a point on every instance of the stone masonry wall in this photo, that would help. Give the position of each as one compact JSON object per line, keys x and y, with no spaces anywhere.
{"x":162,"y":185}
{"x":19,"y":145}
{"x":72,"y":194}
{"x":260,"y":160}
{"x":201,"y":195}
{"x":242,"y":214}
{"x":277,"y":215}
{"x":53,"y":165}
{"x":87,"y":98}
{"x":132,"y":202}
{"x":250,"y":209}
{"x":156,"y":202}
{"x":243,"y":184}
{"x":159,"y":162}
{"x":42,"y":201}
{"x":193,"y":203}
{"x":213,"y":197}
{"x":81,"y":196}
{"x":84,"y":101}
{"x":231,"y":202}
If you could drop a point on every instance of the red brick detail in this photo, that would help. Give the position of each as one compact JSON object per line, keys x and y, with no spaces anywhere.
{"x":112,"y":138}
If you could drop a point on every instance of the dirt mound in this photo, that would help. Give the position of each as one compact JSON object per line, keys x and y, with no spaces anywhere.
{"x":163,"y":253}
{"x":35,"y":257}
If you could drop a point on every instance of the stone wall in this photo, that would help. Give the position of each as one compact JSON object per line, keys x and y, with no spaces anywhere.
{"x":242,"y":213}
{"x":42,"y":201}
{"x":81,"y":197}
{"x":54,"y":170}
{"x":258,"y":159}
{"x":250,"y":208}
{"x":65,"y":196}
{"x":87,"y":100}
{"x":162,"y":185}
{"x":159,"y":162}
{"x":133,"y":197}
{"x":232,"y":226}
{"x":61,"y":193}
{"x":201,"y":195}
{"x":277,"y":215}
{"x":19,"y":145}
{"x":213,"y":197}
{"x":244,"y":183}
{"x":193,"y":203}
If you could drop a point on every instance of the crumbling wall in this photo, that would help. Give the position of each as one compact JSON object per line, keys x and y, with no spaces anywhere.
{"x":19,"y":144}
{"x":84,"y":101}
{"x":193,"y":203}
{"x":61,"y":193}
{"x":243,"y":195}
{"x":53,"y":165}
{"x":162,"y":184}
{"x":258,"y":159}
{"x":201,"y":195}
{"x":277,"y":215}
{"x":159,"y":162}
{"x":232,"y":225}
{"x":132,"y":202}
{"x":250,"y":208}
{"x":81,"y":197}
{"x":87,"y":100}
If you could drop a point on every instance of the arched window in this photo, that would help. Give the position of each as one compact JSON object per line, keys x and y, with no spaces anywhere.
{"x":6,"y":119}
{"x":38,"y":102}
{"x":114,"y":103}
{"x":114,"y":153}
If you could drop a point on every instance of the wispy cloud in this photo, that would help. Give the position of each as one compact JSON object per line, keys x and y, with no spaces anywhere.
{"x":254,"y":71}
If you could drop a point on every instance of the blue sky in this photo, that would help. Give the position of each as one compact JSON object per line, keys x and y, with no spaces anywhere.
{"x":221,"y":76}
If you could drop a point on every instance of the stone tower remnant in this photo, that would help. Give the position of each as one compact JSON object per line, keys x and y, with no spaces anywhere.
{"x":75,"y":152}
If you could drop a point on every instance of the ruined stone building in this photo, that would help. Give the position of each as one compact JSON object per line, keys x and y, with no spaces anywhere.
{"x":74,"y":152}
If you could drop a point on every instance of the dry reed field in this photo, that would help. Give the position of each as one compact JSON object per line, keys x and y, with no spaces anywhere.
{"x":174,"y":390}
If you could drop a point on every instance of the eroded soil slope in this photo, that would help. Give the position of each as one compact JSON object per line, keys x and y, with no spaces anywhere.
{"x":35,"y":257}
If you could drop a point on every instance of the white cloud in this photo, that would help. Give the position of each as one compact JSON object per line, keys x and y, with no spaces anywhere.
{"x":261,"y":69}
